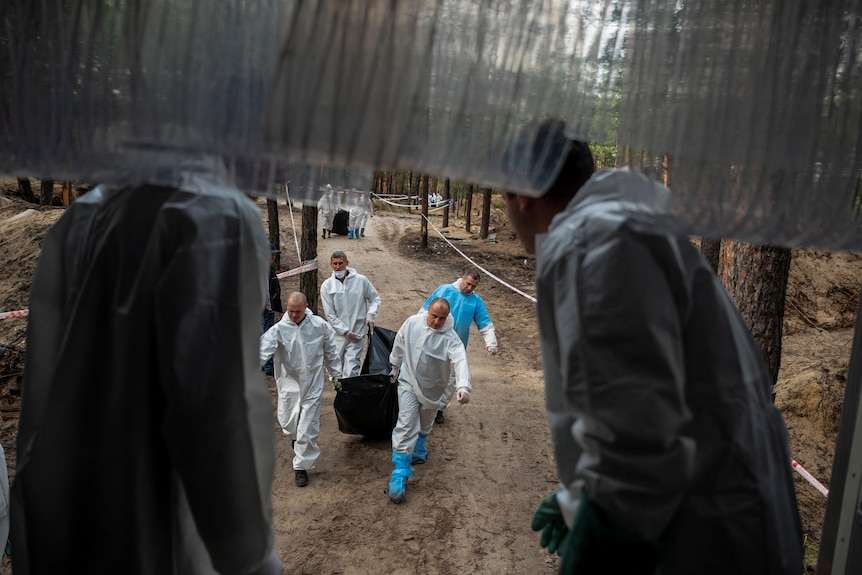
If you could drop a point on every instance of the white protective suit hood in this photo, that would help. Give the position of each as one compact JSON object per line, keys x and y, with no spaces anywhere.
{"x":169,"y":277}
{"x":657,"y":396}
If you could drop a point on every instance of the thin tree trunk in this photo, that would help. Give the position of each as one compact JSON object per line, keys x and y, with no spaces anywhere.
{"x":756,"y":277}
{"x":486,"y":213}
{"x":446,"y":209}
{"x":424,"y":223}
{"x":27,"y":191}
{"x":711,"y":251}
{"x":46,"y":192}
{"x":409,"y":192}
{"x":468,"y":208}
{"x":272,"y":224}
{"x":308,"y":251}
{"x":67,"y":193}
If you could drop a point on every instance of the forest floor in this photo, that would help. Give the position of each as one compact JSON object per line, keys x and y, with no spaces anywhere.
{"x":490,"y":463}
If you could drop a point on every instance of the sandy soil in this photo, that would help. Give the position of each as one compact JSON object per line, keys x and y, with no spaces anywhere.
{"x":470,"y":506}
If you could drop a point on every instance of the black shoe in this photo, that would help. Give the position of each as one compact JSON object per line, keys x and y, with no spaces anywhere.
{"x":301,"y":477}
{"x":324,"y":236}
{"x":439,"y":419}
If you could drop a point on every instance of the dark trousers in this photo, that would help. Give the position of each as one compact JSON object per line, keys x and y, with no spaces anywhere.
{"x":266,"y":322}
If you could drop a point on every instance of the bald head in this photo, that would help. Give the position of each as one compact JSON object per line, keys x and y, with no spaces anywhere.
{"x":296,"y":305}
{"x":438,"y":311}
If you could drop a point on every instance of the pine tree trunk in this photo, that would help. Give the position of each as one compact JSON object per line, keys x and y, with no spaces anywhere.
{"x":711,"y":252}
{"x":446,"y":209}
{"x":424,"y":221}
{"x":486,"y":213}
{"x":26,"y":191}
{"x":272,"y":224}
{"x":409,"y":192}
{"x":308,"y":251}
{"x":756,"y":277}
{"x":46,"y":192}
{"x":468,"y":208}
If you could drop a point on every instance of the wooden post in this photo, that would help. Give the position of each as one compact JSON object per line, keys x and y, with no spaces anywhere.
{"x":67,"y":193}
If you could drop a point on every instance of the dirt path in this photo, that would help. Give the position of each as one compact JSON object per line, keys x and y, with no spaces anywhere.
{"x":470,"y":506}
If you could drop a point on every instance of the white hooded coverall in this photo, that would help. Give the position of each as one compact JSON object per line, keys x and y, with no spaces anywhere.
{"x":424,"y":357}
{"x":327,"y":206}
{"x":300,"y":352}
{"x":346,"y":303}
{"x":658,"y":398}
{"x":366,"y":209}
{"x":465,"y":310}
{"x":151,"y":453}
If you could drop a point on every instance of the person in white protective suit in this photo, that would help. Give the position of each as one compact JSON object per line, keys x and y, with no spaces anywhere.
{"x":354,"y":213}
{"x":327,"y":206}
{"x":467,"y":307}
{"x":351,"y":305}
{"x":366,"y":208}
{"x":301,"y":344}
{"x":145,"y":442}
{"x":425,"y":349}
{"x":670,"y":454}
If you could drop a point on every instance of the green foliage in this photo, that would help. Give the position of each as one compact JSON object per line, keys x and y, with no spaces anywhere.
{"x":809,"y":555}
{"x":605,"y":155}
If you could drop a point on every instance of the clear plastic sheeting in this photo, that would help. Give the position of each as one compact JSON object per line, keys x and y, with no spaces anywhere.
{"x":306,"y":181}
{"x":89,"y":85}
{"x":750,"y":109}
{"x":756,"y":109}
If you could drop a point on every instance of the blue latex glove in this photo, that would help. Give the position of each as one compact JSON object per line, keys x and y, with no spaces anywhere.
{"x":549,"y":520}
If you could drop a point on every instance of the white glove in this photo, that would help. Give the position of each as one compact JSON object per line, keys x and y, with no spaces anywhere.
{"x":353,"y":336}
{"x":492,"y":349}
{"x":462,"y":395}
{"x":369,"y":321}
{"x":393,"y":375}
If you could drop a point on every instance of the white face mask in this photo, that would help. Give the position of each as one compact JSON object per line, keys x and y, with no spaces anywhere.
{"x":339,"y":274}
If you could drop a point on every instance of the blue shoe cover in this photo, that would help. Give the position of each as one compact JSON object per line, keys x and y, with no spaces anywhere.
{"x":420,"y":452}
{"x":397,"y":484}
{"x":398,"y":480}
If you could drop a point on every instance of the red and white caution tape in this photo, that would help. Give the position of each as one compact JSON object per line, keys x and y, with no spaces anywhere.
{"x":809,"y":478}
{"x":16,"y":313}
{"x":306,"y":266}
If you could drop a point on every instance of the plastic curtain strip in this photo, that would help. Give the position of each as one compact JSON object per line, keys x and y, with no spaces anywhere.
{"x":751,"y":109}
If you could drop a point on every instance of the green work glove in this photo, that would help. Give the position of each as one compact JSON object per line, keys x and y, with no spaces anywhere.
{"x":336,"y":384}
{"x":596,"y":544}
{"x":549,"y":520}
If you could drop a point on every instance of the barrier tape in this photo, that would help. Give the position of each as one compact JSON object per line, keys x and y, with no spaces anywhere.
{"x":489,"y":274}
{"x":795,"y":464}
{"x":809,"y":478}
{"x":16,"y":313}
{"x":306,"y":266}
{"x":292,"y":223}
{"x":441,"y":206}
